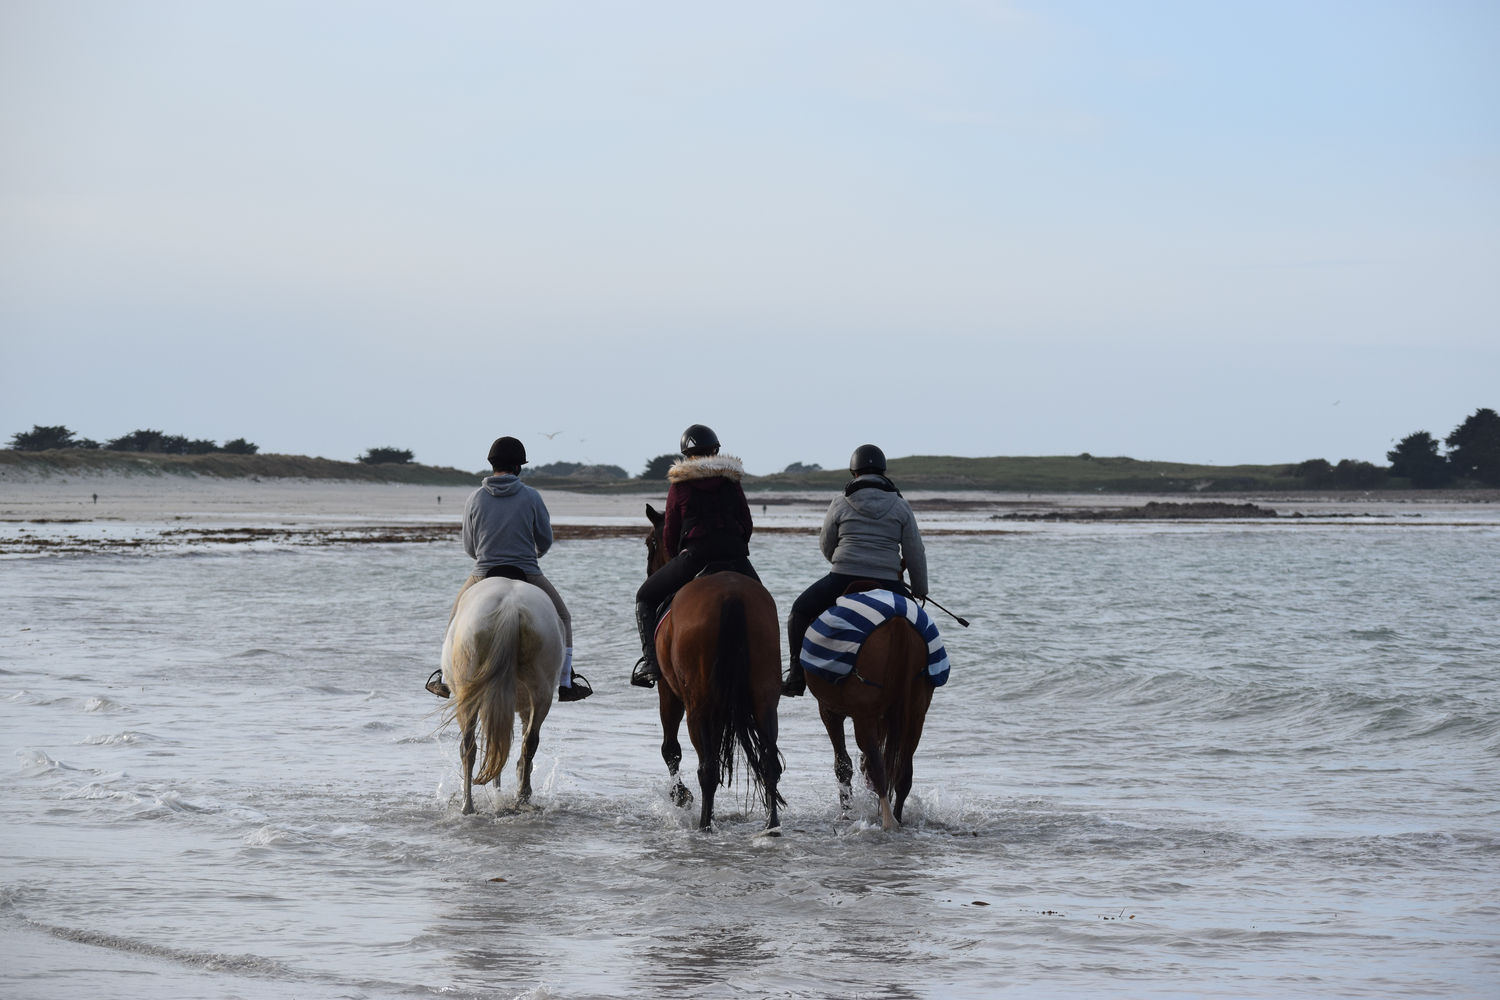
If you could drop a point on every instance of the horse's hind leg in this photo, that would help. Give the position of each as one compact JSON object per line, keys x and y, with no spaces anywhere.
{"x":770,"y":762}
{"x":468,"y":750}
{"x":867,"y":735}
{"x":705,"y":739}
{"x":843,"y":768}
{"x":532,"y":740}
{"x":671,"y":709}
{"x":910,"y":727}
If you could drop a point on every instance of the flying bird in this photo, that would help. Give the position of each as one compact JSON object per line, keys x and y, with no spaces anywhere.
{"x":549,"y":437}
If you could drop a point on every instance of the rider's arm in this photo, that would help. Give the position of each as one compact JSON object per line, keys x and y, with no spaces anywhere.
{"x":828,"y":535}
{"x":914,"y":554}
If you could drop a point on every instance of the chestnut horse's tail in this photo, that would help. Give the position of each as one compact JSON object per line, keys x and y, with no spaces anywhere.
{"x":734,"y":703}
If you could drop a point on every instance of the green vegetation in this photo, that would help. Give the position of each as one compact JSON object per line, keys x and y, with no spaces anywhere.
{"x":576,"y":470}
{"x":656,"y":469}
{"x":86,"y":462}
{"x":1054,"y":474}
{"x":41,"y":438}
{"x":386,"y":456}
{"x":1473,"y":460}
{"x":1474,"y":447}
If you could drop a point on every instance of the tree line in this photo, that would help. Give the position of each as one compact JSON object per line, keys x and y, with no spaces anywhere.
{"x":1472,"y":456}
{"x":41,"y":438}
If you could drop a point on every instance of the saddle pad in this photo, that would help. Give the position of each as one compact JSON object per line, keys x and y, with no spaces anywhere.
{"x":833,"y":640}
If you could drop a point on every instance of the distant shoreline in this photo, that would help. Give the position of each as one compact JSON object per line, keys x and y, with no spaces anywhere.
{"x":1078,"y":474}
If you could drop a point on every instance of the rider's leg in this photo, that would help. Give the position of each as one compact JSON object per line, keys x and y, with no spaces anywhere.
{"x":809,"y":605}
{"x":566,"y":689}
{"x":658,"y":587}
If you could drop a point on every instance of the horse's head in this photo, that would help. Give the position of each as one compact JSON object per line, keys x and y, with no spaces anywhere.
{"x":656,"y":550}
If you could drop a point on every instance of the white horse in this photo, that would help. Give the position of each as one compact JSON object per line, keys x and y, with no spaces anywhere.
{"x":501,"y":657}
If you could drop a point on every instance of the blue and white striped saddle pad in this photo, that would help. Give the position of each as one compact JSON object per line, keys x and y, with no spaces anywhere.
{"x":832,"y":642}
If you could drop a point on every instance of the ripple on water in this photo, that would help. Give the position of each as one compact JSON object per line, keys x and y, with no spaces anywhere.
{"x":129,"y":737}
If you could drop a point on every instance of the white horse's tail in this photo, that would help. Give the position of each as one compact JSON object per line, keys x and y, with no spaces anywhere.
{"x":490,"y":691}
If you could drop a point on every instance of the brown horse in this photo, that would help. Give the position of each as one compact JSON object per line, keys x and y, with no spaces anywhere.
{"x":887,"y":696}
{"x":720,"y":657}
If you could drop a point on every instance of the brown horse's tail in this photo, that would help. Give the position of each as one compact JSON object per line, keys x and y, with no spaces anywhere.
{"x":491,"y":691}
{"x":734,"y":705}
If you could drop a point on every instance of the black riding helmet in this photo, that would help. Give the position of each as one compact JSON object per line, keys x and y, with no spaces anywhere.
{"x":507,"y":453}
{"x":867,"y":458}
{"x":700,"y":440}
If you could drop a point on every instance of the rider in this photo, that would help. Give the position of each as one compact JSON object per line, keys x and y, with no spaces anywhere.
{"x":707,"y":520}
{"x":867,"y":534}
{"x":506,"y":530}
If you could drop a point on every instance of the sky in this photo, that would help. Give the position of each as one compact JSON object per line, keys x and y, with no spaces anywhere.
{"x":1245,"y":231}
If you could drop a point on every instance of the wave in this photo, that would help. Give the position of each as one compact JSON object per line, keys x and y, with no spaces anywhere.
{"x":129,"y":737}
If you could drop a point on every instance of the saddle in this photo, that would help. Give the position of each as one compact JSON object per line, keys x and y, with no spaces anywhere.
{"x":709,"y":568}
{"x":509,"y":572}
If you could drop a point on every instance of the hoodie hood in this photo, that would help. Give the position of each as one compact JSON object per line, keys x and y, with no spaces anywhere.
{"x":871,"y":495}
{"x":706,"y":467}
{"x":504,"y":485}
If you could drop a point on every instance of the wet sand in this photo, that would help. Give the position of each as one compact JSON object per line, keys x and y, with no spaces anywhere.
{"x":190,"y":508}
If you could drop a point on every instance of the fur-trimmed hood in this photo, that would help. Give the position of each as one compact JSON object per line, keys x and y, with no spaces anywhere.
{"x":706,"y":467}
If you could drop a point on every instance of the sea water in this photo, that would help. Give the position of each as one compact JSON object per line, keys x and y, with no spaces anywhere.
{"x":1217,"y":760}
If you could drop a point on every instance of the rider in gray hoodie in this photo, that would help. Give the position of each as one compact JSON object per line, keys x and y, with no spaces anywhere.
{"x":869,"y":533}
{"x":506,"y":530}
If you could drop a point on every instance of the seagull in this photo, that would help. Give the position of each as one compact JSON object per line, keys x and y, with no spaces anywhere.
{"x":549,"y":437}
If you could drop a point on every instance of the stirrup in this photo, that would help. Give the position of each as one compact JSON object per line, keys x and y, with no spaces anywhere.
{"x":577,"y":691}
{"x":645,"y":674}
{"x":436,"y":686}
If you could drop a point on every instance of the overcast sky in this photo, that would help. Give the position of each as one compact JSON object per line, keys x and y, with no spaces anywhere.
{"x":1192,"y":231}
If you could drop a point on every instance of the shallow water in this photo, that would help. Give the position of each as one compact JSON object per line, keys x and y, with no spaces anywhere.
{"x":1202,"y":760}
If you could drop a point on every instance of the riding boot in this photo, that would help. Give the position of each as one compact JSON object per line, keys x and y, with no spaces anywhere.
{"x":571,"y":686}
{"x":795,"y":683}
{"x":646,"y":672}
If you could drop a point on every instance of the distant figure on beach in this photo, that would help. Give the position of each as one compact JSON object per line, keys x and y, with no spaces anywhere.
{"x":707,"y":520}
{"x":869,"y":533}
{"x":96,"y":498}
{"x":506,"y":530}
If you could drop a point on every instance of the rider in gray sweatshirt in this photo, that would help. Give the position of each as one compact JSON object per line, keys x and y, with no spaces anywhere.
{"x":506,"y":524}
{"x":506,"y":530}
{"x":867,"y":534}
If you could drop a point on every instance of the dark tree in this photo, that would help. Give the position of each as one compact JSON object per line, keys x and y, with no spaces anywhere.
{"x":1416,"y":458}
{"x":384,"y":456}
{"x":138,"y":441}
{"x":1353,"y":474}
{"x":239,"y":446}
{"x":1314,"y":471}
{"x":797,"y":469}
{"x":658,"y":466}
{"x":1474,"y":447}
{"x":41,"y":438}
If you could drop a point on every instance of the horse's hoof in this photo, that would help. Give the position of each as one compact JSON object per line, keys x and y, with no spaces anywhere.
{"x":681,"y":796}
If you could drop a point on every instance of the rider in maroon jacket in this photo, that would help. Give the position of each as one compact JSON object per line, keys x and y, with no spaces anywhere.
{"x":707,"y":520}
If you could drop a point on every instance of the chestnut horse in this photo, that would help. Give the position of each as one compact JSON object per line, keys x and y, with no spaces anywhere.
{"x":720,"y":656}
{"x":887,"y":696}
{"x":501,"y":658}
